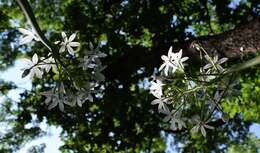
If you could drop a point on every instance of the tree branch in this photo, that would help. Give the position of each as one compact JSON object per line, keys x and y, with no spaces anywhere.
{"x":27,"y":10}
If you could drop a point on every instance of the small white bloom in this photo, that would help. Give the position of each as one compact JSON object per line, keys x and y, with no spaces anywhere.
{"x":173,"y":62}
{"x":33,"y":67}
{"x":98,"y":76}
{"x":177,"y":123}
{"x":215,"y":63}
{"x":162,"y":106}
{"x":28,"y":36}
{"x":200,"y":125}
{"x":168,"y":63}
{"x":68,"y":43}
{"x":48,"y":64}
{"x":156,"y":88}
{"x":205,"y":75}
{"x":53,"y":99}
{"x":178,"y":60}
{"x":168,"y":114}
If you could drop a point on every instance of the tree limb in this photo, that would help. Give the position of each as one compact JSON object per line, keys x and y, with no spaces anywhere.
{"x":27,"y":10}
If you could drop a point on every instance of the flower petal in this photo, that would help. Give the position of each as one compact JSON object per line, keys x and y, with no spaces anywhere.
{"x":162,"y":66}
{"x":70,"y":50}
{"x":74,"y":44}
{"x":79,"y":103}
{"x":62,"y":49}
{"x":26,"y":39}
{"x":156,"y":101}
{"x":165,"y":58}
{"x":90,"y":97}
{"x":63,"y":34}
{"x":56,"y":42}
{"x":170,"y":52}
{"x":27,"y":62}
{"x":38,"y":72}
{"x":179,"y":54}
{"x":195,"y":129}
{"x":61,"y":106}
{"x":72,"y":37}
{"x":35,"y":59}
{"x":166,"y":70}
{"x":207,"y":66}
{"x":25,"y":31}
{"x":208,"y":126}
{"x":203,"y":131}
{"x":222,"y":60}
{"x":184,"y":59}
{"x":53,"y":104}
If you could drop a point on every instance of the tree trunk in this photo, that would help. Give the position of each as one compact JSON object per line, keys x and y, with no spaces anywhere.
{"x":244,"y":39}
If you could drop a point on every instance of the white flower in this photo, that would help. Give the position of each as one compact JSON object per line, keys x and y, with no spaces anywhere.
{"x":98,"y":76}
{"x":177,"y":123}
{"x":178,"y":60}
{"x":156,"y":88}
{"x":68,"y":43}
{"x":173,"y":61}
{"x":162,"y":107}
{"x":82,"y":97}
{"x":168,"y":63}
{"x":48,"y":64}
{"x":53,"y":99}
{"x":215,"y":63}
{"x":28,"y":36}
{"x":205,"y":75}
{"x":33,"y":67}
{"x":200,"y":125}
{"x":168,"y":114}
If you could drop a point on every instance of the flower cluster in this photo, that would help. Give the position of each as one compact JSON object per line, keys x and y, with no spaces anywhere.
{"x":36,"y":67}
{"x":180,"y":95}
{"x":172,"y":62}
{"x":78,"y":90}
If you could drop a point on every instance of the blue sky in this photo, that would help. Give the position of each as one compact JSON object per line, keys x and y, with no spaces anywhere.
{"x":52,"y":139}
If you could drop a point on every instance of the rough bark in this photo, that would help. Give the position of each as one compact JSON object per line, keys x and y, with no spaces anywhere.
{"x":228,"y":44}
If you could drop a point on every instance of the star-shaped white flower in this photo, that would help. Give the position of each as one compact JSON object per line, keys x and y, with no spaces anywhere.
{"x":53,"y":99}
{"x":48,"y":64}
{"x":205,"y":75}
{"x":168,"y":63}
{"x":28,"y":36}
{"x":68,"y":43}
{"x":178,"y":60}
{"x":162,"y":106}
{"x":33,"y":67}
{"x":173,"y":62}
{"x":200,"y":125}
{"x":177,"y":123}
{"x":156,"y":88}
{"x":215,"y":63}
{"x":168,"y":114}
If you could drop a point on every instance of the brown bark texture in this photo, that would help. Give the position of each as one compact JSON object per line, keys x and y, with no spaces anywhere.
{"x":229,"y":44}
